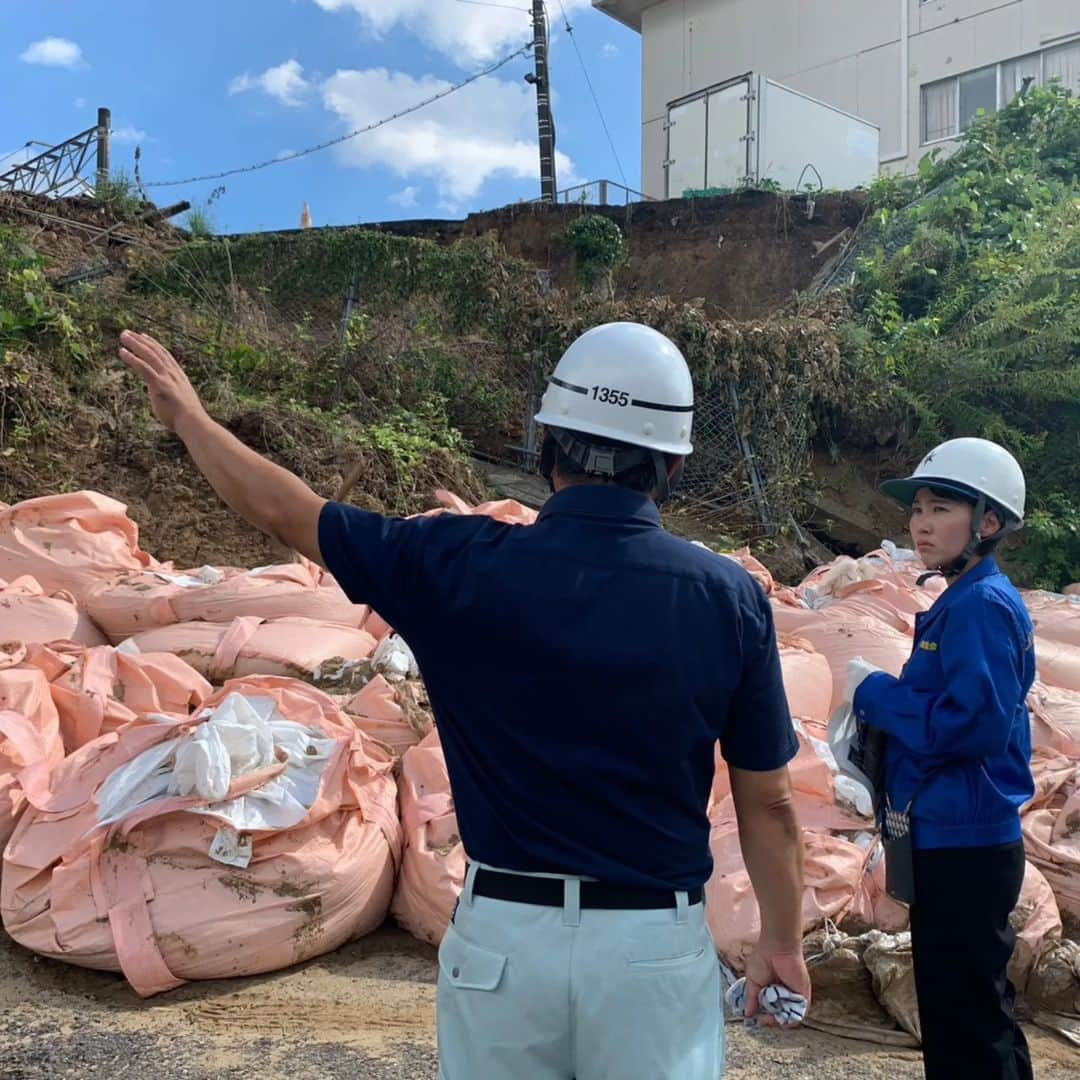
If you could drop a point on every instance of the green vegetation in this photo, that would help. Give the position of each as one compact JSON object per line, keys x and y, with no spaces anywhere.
{"x":598,"y":247}
{"x":967,"y":311}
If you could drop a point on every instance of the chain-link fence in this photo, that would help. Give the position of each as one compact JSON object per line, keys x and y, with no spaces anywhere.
{"x":743,"y":473}
{"x":867,"y":238}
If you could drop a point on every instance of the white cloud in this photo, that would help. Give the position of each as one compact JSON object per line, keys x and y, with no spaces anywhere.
{"x":406,"y":198}
{"x":285,"y":82}
{"x":80,"y":103}
{"x":53,"y":52}
{"x":467,"y":33}
{"x":487,"y":129}
{"x":609,"y":48}
{"x":283,"y":155}
{"x":128,"y":134}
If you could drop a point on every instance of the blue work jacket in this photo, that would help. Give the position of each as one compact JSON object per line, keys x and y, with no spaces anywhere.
{"x":959,"y":734}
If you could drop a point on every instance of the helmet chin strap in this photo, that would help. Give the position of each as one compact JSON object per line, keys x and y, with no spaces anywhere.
{"x":963,"y":560}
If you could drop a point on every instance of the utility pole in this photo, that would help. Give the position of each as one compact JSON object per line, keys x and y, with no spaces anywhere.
{"x":541,"y":80}
{"x":104,"y":127}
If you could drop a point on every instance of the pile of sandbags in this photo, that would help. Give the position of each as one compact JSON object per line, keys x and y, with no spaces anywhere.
{"x":196,"y":834}
{"x":254,"y":835}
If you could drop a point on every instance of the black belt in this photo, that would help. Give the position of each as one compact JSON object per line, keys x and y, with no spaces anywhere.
{"x":550,"y":892}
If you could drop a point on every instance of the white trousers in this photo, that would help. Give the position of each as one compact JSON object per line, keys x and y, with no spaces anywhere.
{"x":547,"y":993}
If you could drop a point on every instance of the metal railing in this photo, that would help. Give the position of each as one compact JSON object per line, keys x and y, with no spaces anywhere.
{"x":582,"y":194}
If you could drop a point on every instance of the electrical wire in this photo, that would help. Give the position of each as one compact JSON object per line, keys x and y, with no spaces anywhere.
{"x":350,"y":135}
{"x":596,"y":100}
{"x":18,"y":151}
{"x":488,"y":3}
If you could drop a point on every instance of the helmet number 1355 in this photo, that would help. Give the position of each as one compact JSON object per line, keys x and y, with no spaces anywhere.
{"x":610,"y":396}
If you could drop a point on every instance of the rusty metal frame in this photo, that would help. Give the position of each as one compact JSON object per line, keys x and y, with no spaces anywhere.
{"x":57,"y":171}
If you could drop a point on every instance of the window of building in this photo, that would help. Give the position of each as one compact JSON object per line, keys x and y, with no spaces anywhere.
{"x":939,"y":110}
{"x":949,"y":105}
{"x":1014,"y":72}
{"x":1063,"y":63}
{"x":978,"y":93}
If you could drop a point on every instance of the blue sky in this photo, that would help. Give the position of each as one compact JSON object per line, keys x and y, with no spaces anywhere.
{"x":213,"y":84}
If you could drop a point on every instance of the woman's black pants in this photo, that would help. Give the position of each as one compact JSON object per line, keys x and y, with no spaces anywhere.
{"x":961,"y":941}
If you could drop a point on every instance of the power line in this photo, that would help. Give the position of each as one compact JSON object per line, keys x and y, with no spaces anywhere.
{"x":18,"y":151}
{"x":350,"y":135}
{"x":488,"y":3}
{"x":596,"y":100}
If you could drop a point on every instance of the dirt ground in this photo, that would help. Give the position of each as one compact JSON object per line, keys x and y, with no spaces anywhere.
{"x":365,"y":1011}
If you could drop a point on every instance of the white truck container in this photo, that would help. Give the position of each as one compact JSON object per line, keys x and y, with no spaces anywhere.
{"x":753,"y":130}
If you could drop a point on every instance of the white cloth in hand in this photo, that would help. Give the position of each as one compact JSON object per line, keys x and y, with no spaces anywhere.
{"x":783,"y":1005}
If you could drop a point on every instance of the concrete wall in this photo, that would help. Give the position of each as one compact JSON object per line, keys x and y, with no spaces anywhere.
{"x":845,"y":52}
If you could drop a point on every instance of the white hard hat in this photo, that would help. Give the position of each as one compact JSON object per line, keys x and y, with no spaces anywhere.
{"x":625,"y":382}
{"x":969,"y":468}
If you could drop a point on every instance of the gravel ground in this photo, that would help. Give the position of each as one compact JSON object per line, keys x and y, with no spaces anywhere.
{"x":366,"y":1011}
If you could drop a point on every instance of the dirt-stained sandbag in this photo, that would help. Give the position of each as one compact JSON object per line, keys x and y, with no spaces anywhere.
{"x":30,"y":743}
{"x":254,"y":646}
{"x":433,"y":865}
{"x":258,"y":834}
{"x":70,"y":542}
{"x":30,"y":615}
{"x":131,"y":603}
{"x":98,"y":690}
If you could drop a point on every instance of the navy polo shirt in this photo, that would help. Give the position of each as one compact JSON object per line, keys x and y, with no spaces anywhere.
{"x":581,"y":670}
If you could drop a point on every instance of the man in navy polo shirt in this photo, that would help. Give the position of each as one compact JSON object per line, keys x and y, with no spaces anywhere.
{"x":581,"y":671}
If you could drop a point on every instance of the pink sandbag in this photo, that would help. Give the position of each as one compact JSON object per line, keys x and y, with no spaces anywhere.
{"x":840,"y":640}
{"x":1056,"y":617}
{"x":131,"y":603}
{"x":27,"y":614}
{"x":833,"y":869}
{"x":791,"y":613}
{"x":254,"y":646}
{"x":1052,"y":842}
{"x":70,"y":542}
{"x":1055,"y":718}
{"x":98,"y":690}
{"x":757,"y":570}
{"x":433,"y":864}
{"x":873,"y":908}
{"x":509,"y":511}
{"x":1057,"y":663}
{"x":29,"y":739}
{"x":144,"y":897}
{"x":807,"y":680}
{"x":812,"y":789}
{"x":895,"y":604}
{"x":1037,"y":923}
{"x":881,"y":565}
{"x":378,"y":711}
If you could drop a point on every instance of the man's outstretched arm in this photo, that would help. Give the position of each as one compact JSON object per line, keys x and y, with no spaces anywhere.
{"x":264,"y":494}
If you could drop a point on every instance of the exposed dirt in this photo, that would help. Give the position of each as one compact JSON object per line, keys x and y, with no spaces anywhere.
{"x":367,"y":1010}
{"x":746,"y":254}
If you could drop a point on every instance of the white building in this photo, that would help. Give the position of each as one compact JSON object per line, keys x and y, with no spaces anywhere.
{"x":919,"y":69}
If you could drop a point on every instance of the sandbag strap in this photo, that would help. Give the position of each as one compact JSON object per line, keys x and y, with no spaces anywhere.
{"x":241,"y":630}
{"x":128,"y":886}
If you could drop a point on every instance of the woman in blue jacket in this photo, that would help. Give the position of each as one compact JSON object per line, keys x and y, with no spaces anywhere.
{"x":958,"y":748}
